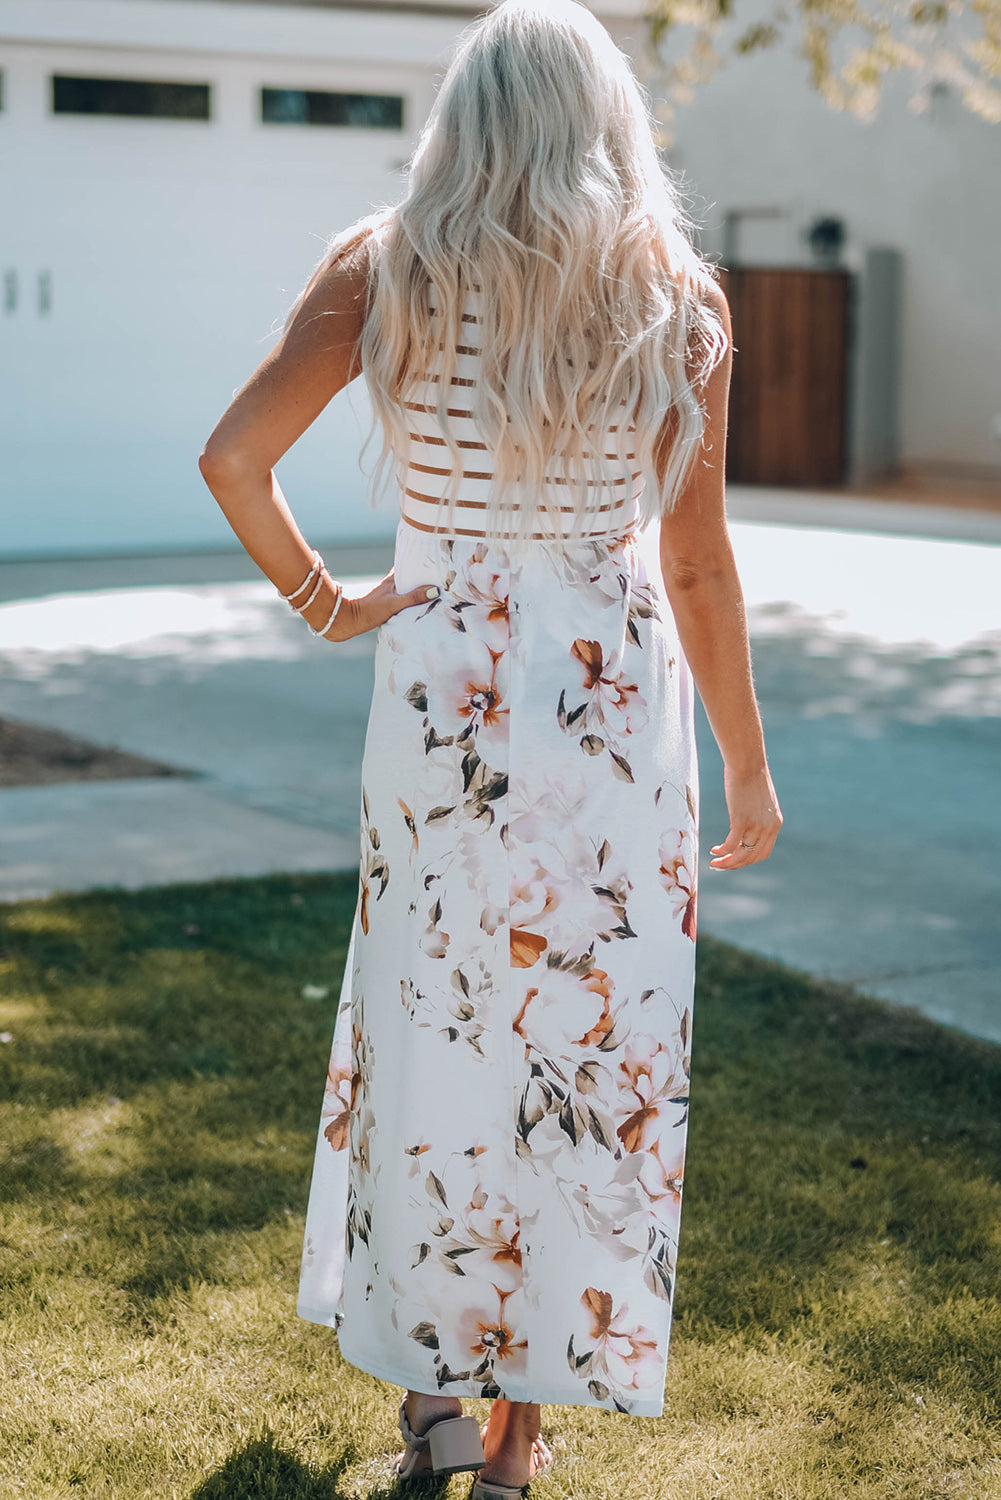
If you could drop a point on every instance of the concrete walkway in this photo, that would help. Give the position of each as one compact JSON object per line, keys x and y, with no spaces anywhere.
{"x":878,"y":664}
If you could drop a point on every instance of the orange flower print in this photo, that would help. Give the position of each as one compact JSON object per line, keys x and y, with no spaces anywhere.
{"x":469,"y":701}
{"x":479,"y":1235}
{"x":411,"y":822}
{"x":362,"y":1124}
{"x":526,"y":947}
{"x":653,"y":1096}
{"x":489,"y":1335}
{"x":479,"y":601}
{"x":614,"y":704}
{"x":338,"y":1097}
{"x":479,"y":701}
{"x":534,"y":894}
{"x":415,"y":1152}
{"x":491,"y":1228}
{"x":569,"y":1007}
{"x":530,"y":831}
{"x":678,"y":862}
{"x":616,"y":1354}
{"x":598,"y":983}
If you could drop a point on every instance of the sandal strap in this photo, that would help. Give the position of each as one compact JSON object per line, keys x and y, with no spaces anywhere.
{"x":415,"y":1439}
{"x":484,"y":1489}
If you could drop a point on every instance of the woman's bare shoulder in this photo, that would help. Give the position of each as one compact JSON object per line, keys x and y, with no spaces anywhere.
{"x":342,"y":282}
{"x":714,"y":295}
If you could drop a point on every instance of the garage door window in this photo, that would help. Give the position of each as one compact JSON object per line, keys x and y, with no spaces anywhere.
{"x":319,"y":107}
{"x":129,"y":96}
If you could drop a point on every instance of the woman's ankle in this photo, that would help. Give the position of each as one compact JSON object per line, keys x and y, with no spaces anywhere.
{"x":424,"y":1410}
{"x":521,"y":1417}
{"x":509,"y":1441}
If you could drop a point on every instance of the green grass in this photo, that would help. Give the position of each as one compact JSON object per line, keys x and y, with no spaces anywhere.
{"x":838,"y":1323}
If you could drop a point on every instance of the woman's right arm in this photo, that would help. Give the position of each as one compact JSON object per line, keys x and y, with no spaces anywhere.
{"x":316,"y":357}
{"x":700,"y":577}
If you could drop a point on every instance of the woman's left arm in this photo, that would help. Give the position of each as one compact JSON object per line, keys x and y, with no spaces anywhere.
{"x":316,"y":357}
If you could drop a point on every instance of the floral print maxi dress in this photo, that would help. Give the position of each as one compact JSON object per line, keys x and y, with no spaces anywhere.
{"x":496,"y":1192}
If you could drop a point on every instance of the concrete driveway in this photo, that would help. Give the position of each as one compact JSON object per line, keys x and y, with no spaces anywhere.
{"x":878,"y":664}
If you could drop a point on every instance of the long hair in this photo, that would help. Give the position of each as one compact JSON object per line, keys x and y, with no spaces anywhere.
{"x":536,"y":185}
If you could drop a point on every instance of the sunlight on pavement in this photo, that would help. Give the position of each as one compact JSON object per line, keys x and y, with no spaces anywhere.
{"x":891,"y":589}
{"x":216,"y":622}
{"x":886,"y":589}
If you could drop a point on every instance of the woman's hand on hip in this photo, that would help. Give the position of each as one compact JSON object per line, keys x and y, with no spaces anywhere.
{"x":373,"y":609}
{"x":755,"y":820}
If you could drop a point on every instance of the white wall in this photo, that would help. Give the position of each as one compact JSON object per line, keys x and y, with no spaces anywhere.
{"x":929,"y":184}
{"x":175,"y":248}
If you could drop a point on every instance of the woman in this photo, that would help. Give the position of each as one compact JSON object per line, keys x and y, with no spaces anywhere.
{"x":496,"y":1191}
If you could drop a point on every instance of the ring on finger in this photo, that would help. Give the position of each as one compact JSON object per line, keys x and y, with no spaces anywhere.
{"x":746,"y":846}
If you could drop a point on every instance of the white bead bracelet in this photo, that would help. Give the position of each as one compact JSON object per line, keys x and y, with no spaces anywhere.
{"x":302,"y":608}
{"x":333,"y":613}
{"x":290,"y":598}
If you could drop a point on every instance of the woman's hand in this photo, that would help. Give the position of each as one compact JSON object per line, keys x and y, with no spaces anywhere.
{"x":755,"y":820}
{"x":371,"y":610}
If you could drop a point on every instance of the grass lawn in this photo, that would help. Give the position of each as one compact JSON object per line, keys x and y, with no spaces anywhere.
{"x":838,"y":1319}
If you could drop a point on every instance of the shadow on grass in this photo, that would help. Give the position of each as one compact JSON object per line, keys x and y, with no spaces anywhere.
{"x":844,"y":1161}
{"x":183,"y":1006}
{"x":263,"y":1469}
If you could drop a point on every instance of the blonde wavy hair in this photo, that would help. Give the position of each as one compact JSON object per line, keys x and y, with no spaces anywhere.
{"x":537,"y":182}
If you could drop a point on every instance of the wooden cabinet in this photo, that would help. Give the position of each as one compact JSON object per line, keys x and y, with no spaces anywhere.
{"x":789,"y":387}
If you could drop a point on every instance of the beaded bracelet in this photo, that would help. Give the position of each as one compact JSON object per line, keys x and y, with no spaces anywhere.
{"x":333,"y":614}
{"x":316,"y":589}
{"x":319,"y":572}
{"x":289,"y":598}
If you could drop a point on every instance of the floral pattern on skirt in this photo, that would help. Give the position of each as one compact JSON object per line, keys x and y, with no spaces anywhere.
{"x":496,"y":1192}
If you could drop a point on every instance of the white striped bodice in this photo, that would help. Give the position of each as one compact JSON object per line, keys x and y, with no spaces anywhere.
{"x":426,"y":469}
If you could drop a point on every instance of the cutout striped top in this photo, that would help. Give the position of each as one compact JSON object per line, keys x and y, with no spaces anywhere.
{"x":427,"y":468}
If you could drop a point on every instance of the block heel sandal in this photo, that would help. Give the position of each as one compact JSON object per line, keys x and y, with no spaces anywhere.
{"x":453,"y":1444}
{"x":484,"y":1489}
